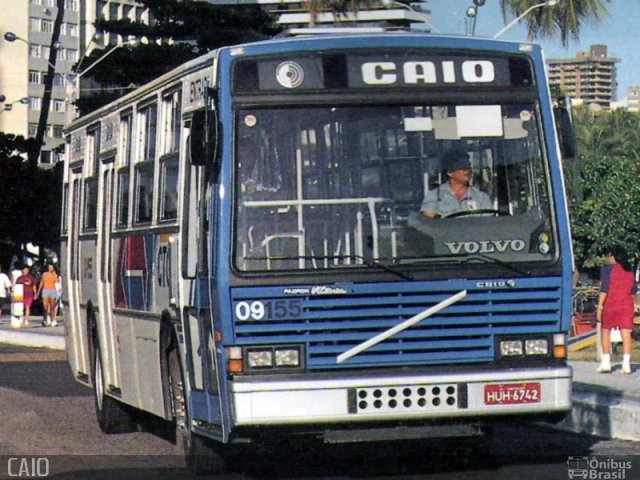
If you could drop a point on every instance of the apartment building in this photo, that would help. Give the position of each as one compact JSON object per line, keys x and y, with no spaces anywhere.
{"x":24,"y":63}
{"x":590,"y":76}
{"x":385,"y":14}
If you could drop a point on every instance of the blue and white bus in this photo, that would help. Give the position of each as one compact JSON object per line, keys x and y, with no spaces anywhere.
{"x":246,"y":254}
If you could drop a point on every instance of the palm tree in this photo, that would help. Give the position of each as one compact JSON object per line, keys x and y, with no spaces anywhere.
{"x":563,"y":20}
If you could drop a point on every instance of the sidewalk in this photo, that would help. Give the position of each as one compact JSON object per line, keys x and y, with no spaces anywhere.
{"x":34,"y":335}
{"x":606,"y":405}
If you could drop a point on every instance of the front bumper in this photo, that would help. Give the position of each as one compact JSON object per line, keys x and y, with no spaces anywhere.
{"x":400,"y":398}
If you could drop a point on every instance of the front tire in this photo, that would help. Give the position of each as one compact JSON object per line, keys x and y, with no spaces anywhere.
{"x":200,"y":456}
{"x":113,"y":416}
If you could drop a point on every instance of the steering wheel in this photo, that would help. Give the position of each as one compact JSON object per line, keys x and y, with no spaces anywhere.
{"x":486,"y":212}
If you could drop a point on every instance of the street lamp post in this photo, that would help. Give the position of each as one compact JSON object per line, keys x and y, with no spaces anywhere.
{"x":12,"y":37}
{"x":548,"y":3}
{"x":9,"y":105}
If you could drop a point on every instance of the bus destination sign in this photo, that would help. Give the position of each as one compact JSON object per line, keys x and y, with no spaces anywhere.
{"x":364,"y":70}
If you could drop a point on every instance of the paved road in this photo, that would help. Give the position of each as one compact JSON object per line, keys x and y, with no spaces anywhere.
{"x":45,"y":414}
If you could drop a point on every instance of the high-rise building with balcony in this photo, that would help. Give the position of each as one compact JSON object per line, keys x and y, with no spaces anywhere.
{"x":24,"y":64}
{"x":386,"y":14}
{"x":590,"y":76}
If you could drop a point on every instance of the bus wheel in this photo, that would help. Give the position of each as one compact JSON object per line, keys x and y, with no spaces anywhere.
{"x":200,"y":456}
{"x":112,"y":415}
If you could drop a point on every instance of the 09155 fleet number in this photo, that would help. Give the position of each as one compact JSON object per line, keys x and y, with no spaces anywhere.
{"x":268,"y":309}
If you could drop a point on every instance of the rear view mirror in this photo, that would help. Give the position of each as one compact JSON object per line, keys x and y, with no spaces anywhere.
{"x":199,"y":139}
{"x":564,"y":128}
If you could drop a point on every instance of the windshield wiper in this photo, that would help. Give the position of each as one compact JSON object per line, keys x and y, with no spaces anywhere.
{"x":464,"y":258}
{"x":365,"y":261}
{"x":386,"y":268}
{"x":490,"y":259}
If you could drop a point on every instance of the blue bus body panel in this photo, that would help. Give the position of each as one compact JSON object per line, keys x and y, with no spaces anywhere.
{"x":463,"y":332}
{"x":329,"y":325}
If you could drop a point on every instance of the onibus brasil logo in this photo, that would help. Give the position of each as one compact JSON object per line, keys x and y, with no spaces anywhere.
{"x":597,"y":468}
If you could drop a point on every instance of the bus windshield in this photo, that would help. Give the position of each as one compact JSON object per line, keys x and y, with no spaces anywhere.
{"x":335,"y":187}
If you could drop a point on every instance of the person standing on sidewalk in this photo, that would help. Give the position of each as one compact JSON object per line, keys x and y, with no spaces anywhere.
{"x":5,"y":290}
{"x":615,"y":307}
{"x":28,"y":282}
{"x":49,"y":292}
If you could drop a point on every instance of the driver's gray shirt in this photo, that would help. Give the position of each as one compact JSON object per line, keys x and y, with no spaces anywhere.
{"x":442,"y":200}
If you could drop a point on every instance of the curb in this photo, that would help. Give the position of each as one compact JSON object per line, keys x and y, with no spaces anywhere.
{"x":32,"y":339}
{"x":603,"y":412}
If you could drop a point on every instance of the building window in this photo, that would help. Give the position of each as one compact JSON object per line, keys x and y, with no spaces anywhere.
{"x":71,"y":5}
{"x":58,"y":131}
{"x":59,"y":106}
{"x":72,"y":55}
{"x":59,"y":80}
{"x":113,"y":11}
{"x":45,"y":156}
{"x":33,"y":129}
{"x":46,"y":26}
{"x":35,"y":76}
{"x":34,"y":24}
{"x":35,"y":50}
{"x":35,"y":103}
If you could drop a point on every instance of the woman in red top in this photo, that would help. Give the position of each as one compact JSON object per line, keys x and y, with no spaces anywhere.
{"x":28,"y":282}
{"x":616,"y":307}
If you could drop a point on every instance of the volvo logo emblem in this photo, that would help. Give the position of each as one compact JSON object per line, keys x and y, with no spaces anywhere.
{"x":290,"y":74}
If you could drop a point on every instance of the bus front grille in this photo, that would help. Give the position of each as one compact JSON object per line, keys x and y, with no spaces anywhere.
{"x":329,"y":325}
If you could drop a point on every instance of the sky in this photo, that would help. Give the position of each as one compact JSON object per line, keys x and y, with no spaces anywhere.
{"x":618,"y":30}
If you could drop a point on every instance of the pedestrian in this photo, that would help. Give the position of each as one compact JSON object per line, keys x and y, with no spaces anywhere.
{"x":616,"y":306}
{"x":5,"y":290}
{"x":28,"y":282}
{"x":47,"y":289}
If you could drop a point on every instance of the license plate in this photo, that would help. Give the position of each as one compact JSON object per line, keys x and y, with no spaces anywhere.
{"x":511,"y":393}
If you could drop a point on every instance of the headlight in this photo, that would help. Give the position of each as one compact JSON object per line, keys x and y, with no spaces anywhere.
{"x":289,"y":357}
{"x":536,"y":346}
{"x":511,"y":348}
{"x":264,"y":358}
{"x":260,"y":358}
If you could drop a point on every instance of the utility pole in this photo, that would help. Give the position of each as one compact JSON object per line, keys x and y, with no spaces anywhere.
{"x":34,"y":152}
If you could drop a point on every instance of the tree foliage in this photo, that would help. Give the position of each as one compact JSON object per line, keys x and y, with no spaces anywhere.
{"x":563,"y":20}
{"x":180,"y":30}
{"x":606,"y":212}
{"x":30,"y":200}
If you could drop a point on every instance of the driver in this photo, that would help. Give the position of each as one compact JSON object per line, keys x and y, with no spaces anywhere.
{"x":457,"y":194}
